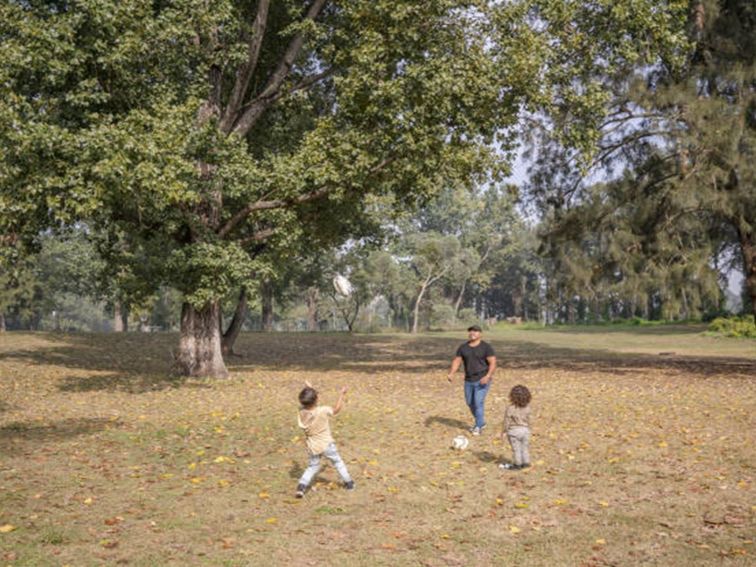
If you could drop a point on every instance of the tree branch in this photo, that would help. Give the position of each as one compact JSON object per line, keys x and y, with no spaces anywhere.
{"x":283,"y":203}
{"x":245,"y":72}
{"x":303,"y":84}
{"x":269,"y":92}
{"x":258,"y":236}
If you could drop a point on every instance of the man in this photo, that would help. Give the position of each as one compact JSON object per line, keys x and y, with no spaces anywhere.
{"x":480,"y":364}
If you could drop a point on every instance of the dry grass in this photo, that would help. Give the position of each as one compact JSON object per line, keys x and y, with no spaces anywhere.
{"x":640,"y":458}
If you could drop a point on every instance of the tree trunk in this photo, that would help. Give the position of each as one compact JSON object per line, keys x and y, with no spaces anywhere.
{"x":571,"y":311}
{"x":2,"y":322}
{"x":266,"y":295}
{"x":199,"y":351}
{"x":748,"y":251}
{"x":459,"y":299}
{"x":117,"y":318}
{"x":416,"y":313}
{"x":234,"y":328}
{"x":312,"y":308}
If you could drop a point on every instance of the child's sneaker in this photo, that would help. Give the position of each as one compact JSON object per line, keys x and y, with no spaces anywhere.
{"x":300,"y":491}
{"x":349,"y":485}
{"x":509,"y":467}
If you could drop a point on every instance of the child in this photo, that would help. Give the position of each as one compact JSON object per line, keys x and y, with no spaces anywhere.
{"x":314,"y":420}
{"x":517,"y":428}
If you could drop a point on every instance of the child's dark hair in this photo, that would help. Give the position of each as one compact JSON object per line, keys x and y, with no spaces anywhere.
{"x":520,"y":396}
{"x":308,"y":396}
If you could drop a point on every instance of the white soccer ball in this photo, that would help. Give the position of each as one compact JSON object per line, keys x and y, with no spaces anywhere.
{"x":460,"y":443}
{"x":342,"y":285}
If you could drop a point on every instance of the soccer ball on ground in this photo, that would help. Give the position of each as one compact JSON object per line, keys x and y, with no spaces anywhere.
{"x":460,"y":443}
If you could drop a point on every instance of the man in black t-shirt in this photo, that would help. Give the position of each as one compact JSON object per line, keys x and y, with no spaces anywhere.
{"x":480,"y":363}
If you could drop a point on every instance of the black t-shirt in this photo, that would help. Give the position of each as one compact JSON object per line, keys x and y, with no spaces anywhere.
{"x":476,"y":365}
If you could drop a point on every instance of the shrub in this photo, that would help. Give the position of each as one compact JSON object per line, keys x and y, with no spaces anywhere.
{"x":442,"y":316}
{"x":738,"y":327}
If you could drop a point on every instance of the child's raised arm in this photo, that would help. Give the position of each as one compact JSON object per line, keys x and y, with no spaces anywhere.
{"x":340,"y":402}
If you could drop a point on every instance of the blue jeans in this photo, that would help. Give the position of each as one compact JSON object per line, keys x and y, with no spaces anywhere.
{"x":314,"y":465}
{"x":475,"y":396}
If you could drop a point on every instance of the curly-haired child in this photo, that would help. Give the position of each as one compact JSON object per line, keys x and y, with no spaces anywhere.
{"x":517,"y":419}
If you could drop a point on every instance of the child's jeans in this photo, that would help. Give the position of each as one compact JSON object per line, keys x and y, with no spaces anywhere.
{"x":314,"y":465}
{"x":519,"y":438}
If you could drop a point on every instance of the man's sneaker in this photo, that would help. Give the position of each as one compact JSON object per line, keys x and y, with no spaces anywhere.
{"x":475,"y":430}
{"x":510,"y":467}
{"x":524,"y":466}
{"x":349,"y":485}
{"x":300,"y":491}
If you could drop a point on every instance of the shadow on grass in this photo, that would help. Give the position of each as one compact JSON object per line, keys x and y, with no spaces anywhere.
{"x":448,"y":422}
{"x":488,"y":457}
{"x":296,"y":471}
{"x":15,"y":437}
{"x":140,"y":362}
{"x":130,"y":362}
{"x":651,"y":330}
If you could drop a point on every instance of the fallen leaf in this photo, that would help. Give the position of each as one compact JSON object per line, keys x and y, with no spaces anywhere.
{"x":7,"y":528}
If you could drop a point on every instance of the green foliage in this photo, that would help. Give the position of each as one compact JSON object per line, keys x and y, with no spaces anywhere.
{"x":106,"y":115}
{"x":738,"y":327}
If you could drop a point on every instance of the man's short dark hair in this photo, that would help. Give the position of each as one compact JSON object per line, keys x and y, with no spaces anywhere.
{"x":474,"y":328}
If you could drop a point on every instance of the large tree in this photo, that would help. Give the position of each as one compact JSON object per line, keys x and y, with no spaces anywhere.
{"x":205,"y":129}
{"x":683,"y":138}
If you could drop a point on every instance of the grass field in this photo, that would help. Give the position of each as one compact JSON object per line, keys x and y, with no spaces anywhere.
{"x":643,"y":449}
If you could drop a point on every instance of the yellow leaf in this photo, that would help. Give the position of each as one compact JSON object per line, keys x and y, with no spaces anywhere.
{"x":444,"y":536}
{"x":499,"y":501}
{"x":167,"y":475}
{"x":200,"y":452}
{"x":560,"y":501}
{"x":539,"y":462}
{"x":271,"y":521}
{"x":600,"y":542}
{"x":223,"y":483}
{"x":88,"y":501}
{"x":514,"y":530}
{"x":614,"y":460}
{"x":7,"y":528}
{"x":198,"y":479}
{"x":604,"y":504}
{"x":263,"y":495}
{"x":521,"y":505}
{"x":662,"y":444}
{"x":192,"y":466}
